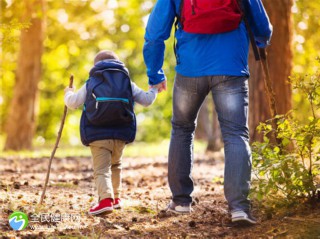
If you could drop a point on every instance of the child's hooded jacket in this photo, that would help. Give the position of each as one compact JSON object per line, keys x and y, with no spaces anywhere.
{"x":90,"y":132}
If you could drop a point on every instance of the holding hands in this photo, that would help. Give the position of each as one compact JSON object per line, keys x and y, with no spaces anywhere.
{"x":161,"y":86}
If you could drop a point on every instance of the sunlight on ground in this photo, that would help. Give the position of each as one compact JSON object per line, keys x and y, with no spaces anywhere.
{"x":136,"y":149}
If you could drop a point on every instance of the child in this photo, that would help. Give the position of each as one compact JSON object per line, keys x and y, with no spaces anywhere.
{"x":107,"y":142}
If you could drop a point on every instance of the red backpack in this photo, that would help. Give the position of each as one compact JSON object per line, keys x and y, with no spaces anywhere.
{"x":209,"y":16}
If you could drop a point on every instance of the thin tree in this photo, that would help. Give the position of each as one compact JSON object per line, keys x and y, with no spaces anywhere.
{"x":21,"y":121}
{"x":208,"y":127}
{"x":280,"y":65}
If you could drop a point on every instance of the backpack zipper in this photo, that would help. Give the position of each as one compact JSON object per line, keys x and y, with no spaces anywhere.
{"x":104,"y":99}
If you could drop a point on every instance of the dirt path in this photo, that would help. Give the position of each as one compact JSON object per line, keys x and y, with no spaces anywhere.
{"x":71,"y":191}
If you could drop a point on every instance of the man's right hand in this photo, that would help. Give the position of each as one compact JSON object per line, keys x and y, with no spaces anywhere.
{"x":161,"y":86}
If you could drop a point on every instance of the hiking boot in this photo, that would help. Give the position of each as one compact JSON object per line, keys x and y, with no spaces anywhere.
{"x":243,"y":218}
{"x":179,"y":208}
{"x":117,"y":204}
{"x":105,"y":205}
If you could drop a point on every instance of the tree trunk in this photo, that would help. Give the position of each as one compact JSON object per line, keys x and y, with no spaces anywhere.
{"x":215,"y":138}
{"x":20,"y":125}
{"x":279,"y":56}
{"x":208,"y":127}
{"x":203,"y":122}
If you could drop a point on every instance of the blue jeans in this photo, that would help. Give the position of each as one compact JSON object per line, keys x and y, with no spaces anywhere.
{"x":230,"y":95}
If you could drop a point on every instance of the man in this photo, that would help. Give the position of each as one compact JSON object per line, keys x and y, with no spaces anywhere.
{"x":216,"y":63}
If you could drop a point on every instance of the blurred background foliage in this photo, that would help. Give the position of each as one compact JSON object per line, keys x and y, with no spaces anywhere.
{"x":78,"y":29}
{"x":306,"y":48}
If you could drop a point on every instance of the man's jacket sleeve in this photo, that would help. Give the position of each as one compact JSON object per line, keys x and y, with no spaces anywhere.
{"x":259,"y":22}
{"x":157,"y":31}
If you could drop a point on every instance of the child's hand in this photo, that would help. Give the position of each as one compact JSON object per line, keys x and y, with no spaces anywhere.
{"x":160,"y":87}
{"x":67,"y":89}
{"x":154,"y":87}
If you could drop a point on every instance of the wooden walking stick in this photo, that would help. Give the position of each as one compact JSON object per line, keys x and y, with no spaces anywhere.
{"x":268,"y":83}
{"x":270,"y":92}
{"x":261,"y":55}
{"x":56,"y":145}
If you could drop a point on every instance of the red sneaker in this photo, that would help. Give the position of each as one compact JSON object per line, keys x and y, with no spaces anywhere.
{"x":103,"y":206}
{"x":117,"y":204}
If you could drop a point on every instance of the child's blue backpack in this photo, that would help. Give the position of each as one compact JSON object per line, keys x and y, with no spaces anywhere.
{"x":109,"y":100}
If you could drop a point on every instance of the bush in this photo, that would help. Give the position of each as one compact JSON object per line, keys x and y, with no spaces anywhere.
{"x":288,"y":171}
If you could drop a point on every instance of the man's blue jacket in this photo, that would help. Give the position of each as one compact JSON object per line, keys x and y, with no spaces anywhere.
{"x":203,"y":54}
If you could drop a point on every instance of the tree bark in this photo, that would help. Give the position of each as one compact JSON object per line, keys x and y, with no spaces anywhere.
{"x":20,"y":126}
{"x":280,"y":65}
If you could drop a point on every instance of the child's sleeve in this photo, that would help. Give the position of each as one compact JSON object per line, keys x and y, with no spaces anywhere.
{"x":142,"y":97}
{"x":74,"y":99}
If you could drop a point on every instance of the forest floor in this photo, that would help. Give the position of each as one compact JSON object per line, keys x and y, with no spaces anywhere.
{"x":145,"y":194}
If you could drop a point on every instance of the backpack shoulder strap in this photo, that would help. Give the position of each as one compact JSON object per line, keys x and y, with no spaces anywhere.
{"x":176,"y":23}
{"x":251,"y":35}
